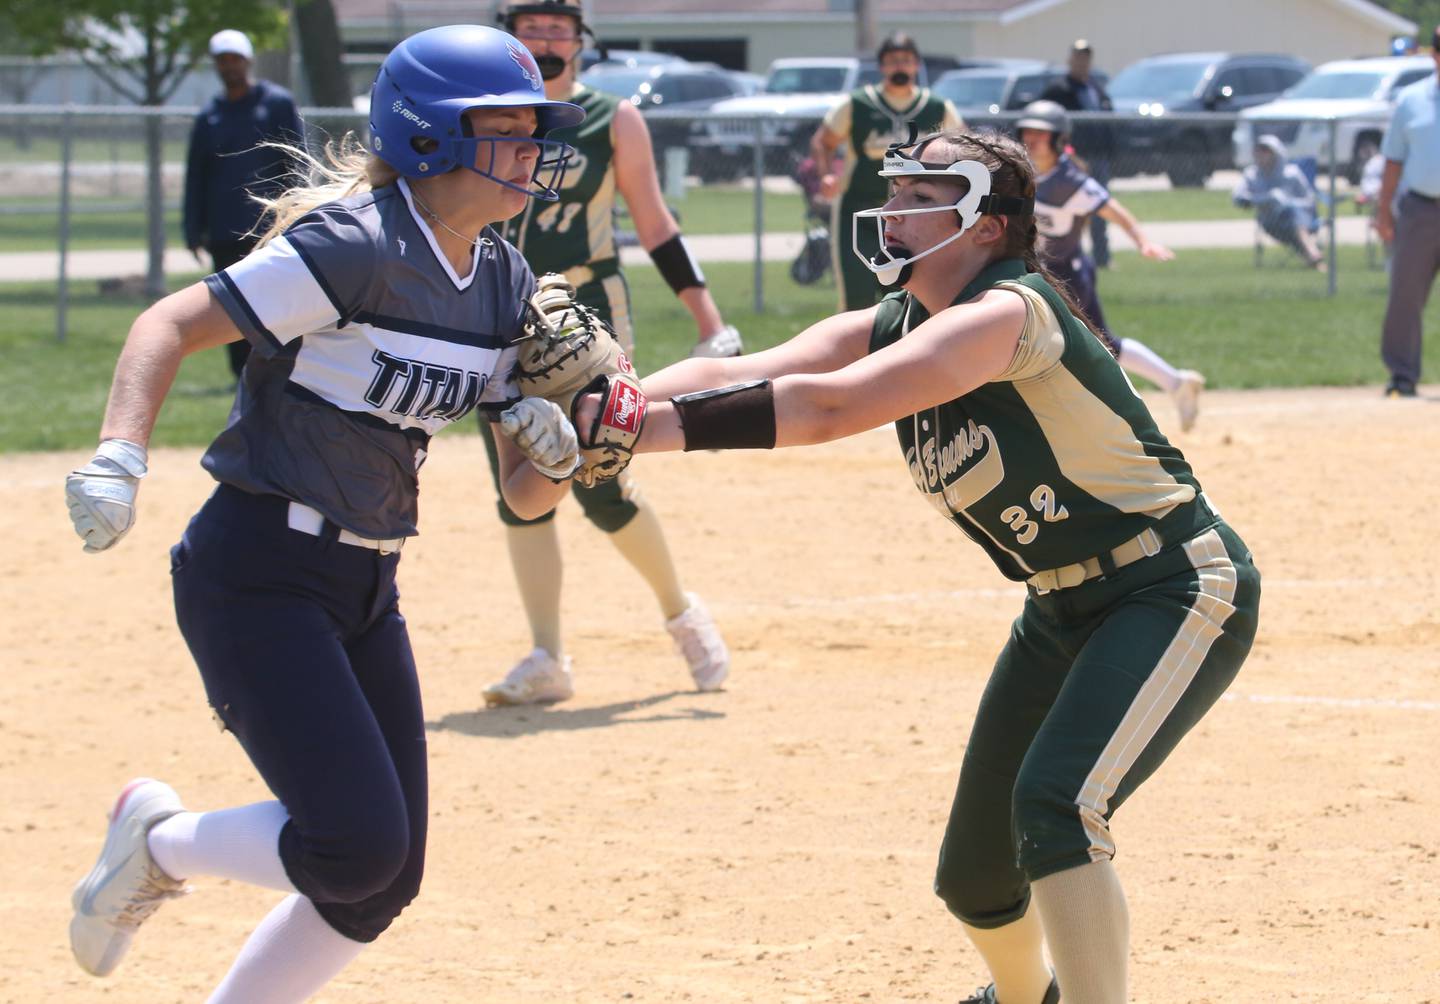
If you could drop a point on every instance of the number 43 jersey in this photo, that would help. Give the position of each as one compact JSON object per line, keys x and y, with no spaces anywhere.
{"x":1057,"y":459}
{"x":579,"y":229}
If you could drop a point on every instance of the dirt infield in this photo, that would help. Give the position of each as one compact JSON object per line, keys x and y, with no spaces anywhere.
{"x":775,"y":843}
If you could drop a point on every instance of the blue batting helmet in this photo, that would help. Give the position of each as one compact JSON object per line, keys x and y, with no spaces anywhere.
{"x":430,"y":80}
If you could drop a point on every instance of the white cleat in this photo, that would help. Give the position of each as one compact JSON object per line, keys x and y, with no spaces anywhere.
{"x":698,"y":639}
{"x":126,"y":886}
{"x":539,"y":678}
{"x":1187,"y":398}
{"x":722,"y":344}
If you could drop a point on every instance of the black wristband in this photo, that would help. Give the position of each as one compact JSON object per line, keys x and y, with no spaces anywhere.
{"x":739,"y":417}
{"x":676,"y":266}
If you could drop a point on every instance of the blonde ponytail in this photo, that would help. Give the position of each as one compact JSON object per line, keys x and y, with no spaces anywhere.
{"x":345,"y":167}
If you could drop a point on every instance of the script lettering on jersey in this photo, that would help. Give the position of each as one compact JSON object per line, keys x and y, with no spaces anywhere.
{"x":422,"y":390}
{"x":958,"y":472}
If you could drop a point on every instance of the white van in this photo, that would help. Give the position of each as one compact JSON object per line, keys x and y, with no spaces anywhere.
{"x":1358,"y":93}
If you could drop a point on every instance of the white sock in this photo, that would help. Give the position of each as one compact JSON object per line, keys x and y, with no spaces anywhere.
{"x":241,"y":844}
{"x":291,"y":955}
{"x":1087,"y":927}
{"x":1139,"y":358}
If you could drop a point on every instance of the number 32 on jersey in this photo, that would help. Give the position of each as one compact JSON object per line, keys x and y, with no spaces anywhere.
{"x":1042,"y":504}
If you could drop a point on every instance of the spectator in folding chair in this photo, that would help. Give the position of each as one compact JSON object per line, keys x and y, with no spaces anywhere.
{"x":1283,"y":198}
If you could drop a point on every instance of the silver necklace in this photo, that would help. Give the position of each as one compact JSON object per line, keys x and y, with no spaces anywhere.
{"x":479,"y":240}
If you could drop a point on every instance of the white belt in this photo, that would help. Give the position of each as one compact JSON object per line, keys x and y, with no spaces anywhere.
{"x":311,"y":521}
{"x":1141,"y":546}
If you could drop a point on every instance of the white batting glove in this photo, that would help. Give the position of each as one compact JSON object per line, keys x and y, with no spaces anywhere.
{"x":540,"y":430}
{"x":724,"y":343}
{"x":101,"y":495}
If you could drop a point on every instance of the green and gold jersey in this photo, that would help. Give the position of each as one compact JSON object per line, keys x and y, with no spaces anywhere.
{"x":580,"y":228}
{"x":870,"y":125}
{"x":1057,"y":459}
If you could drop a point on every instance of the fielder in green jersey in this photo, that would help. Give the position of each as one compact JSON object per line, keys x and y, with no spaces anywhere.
{"x":866,"y":123}
{"x":575,"y":236}
{"x":1020,"y":427}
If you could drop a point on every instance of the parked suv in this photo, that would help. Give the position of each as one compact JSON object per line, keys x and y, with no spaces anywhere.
{"x":984,"y":94}
{"x":1358,"y":93}
{"x":1156,"y":91}
{"x":1008,"y":84}
{"x":686,"y":89}
{"x":797,"y":94}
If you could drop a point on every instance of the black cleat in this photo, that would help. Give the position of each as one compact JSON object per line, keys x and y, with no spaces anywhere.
{"x":986,"y":995}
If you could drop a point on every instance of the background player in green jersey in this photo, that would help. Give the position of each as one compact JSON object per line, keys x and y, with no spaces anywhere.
{"x":867,"y":122}
{"x":576,"y":236}
{"x":1019,"y":426}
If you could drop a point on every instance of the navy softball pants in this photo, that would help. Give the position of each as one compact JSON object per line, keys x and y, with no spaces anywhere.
{"x":1078,"y":275}
{"x":307,"y":661}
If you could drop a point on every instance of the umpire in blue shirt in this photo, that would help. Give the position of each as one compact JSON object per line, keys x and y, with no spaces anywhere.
{"x":227,"y":161}
{"x":1411,"y":148}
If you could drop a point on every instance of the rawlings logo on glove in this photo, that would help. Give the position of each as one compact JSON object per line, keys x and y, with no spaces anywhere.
{"x":567,"y":352}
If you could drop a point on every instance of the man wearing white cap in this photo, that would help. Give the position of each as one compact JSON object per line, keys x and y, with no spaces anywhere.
{"x":227,"y":161}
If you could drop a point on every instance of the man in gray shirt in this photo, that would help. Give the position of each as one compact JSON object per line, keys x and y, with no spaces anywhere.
{"x":1411,"y":148}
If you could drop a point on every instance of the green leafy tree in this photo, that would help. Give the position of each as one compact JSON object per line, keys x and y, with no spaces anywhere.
{"x":144,"y":49}
{"x":1425,"y":14}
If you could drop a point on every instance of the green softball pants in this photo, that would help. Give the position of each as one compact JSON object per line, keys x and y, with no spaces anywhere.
{"x":1095,"y":688}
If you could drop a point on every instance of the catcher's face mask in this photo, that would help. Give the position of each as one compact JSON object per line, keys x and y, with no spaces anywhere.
{"x":893,"y":265}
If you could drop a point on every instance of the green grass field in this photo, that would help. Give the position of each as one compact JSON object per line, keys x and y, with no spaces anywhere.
{"x":1211,"y":310}
{"x":94,"y":142}
{"x":89,"y":231}
{"x":729,"y":210}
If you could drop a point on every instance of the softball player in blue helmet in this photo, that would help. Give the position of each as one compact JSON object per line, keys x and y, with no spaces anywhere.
{"x":381,"y":307}
{"x":1017,"y":424}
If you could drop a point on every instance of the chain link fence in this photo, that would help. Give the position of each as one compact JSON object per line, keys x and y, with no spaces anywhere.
{"x":76,"y":178}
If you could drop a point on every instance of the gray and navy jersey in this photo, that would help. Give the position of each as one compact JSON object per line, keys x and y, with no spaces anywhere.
{"x":1065,"y":196}
{"x":1054,"y":461}
{"x":366,"y":343}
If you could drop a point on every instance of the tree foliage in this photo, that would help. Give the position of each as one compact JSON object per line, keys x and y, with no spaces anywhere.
{"x":1425,"y":14}
{"x":143,"y":48}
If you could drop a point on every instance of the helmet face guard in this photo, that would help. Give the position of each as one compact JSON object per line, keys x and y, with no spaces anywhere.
{"x":550,"y":167}
{"x":976,"y":201}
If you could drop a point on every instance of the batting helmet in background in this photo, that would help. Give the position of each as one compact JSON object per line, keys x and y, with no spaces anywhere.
{"x":1047,"y":116}
{"x":507,"y":13}
{"x":551,"y":65}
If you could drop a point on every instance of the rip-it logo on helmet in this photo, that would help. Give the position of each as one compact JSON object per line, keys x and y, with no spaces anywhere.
{"x":399,"y":108}
{"x":893,"y":265}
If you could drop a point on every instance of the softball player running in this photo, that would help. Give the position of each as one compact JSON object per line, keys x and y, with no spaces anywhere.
{"x":575,"y":235}
{"x":1065,"y":198}
{"x":381,"y":309}
{"x":1019,"y":427}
